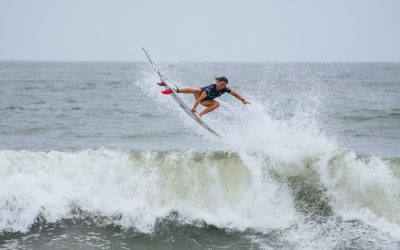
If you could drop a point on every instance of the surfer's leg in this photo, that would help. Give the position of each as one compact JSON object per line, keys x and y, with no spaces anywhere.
{"x":210,"y":104}
{"x":190,"y":90}
{"x":195,"y":91}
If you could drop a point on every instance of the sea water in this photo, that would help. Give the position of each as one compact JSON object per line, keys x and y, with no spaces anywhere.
{"x":92,"y":156}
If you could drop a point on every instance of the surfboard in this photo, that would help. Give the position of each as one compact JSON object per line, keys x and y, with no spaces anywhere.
{"x":178,"y":100}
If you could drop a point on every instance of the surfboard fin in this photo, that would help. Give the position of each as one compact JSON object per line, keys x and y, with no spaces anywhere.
{"x":167,"y":91}
{"x":162,"y":83}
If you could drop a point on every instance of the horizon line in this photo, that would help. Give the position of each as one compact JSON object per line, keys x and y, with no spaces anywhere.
{"x":144,"y":61}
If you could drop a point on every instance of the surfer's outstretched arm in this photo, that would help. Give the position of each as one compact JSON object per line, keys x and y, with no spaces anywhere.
{"x":235,"y":94}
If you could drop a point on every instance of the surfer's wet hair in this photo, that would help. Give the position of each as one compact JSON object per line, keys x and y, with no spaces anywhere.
{"x":221,"y":79}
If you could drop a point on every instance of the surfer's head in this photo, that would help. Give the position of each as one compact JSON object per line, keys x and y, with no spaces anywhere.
{"x":221,"y":79}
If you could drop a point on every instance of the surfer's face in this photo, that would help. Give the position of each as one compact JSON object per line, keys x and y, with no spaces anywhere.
{"x":221,"y":84}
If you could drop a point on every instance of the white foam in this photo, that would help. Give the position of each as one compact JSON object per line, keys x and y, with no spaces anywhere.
{"x":363,"y":189}
{"x":139,"y":187}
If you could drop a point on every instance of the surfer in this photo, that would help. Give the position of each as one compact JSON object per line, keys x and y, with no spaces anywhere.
{"x":206,"y":95}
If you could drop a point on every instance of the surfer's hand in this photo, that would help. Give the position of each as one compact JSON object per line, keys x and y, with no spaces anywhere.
{"x":245,"y":102}
{"x":193,"y":110}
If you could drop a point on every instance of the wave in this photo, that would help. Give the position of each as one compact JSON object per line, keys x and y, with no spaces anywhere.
{"x":231,"y":190}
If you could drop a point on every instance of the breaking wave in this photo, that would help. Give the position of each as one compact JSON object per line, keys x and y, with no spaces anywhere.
{"x":229,"y":190}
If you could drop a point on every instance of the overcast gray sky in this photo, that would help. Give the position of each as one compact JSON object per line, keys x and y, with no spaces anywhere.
{"x":203,"y":30}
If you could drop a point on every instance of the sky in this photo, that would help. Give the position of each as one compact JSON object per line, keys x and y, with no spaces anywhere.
{"x":201,"y":31}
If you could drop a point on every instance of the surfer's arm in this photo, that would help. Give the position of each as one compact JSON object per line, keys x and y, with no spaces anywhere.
{"x":201,"y":97}
{"x":235,"y":94}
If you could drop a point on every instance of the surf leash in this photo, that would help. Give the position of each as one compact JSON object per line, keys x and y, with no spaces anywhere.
{"x":156,"y":68}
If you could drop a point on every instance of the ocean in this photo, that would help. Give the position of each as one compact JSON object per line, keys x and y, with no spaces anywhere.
{"x":93,"y":156}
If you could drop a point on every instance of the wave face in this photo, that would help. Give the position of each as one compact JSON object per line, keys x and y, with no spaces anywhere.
{"x":236,"y":191}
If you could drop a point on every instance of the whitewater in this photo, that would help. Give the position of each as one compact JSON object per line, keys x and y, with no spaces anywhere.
{"x":104,"y":160}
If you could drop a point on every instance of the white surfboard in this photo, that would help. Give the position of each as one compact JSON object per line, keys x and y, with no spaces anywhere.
{"x":188,"y":110}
